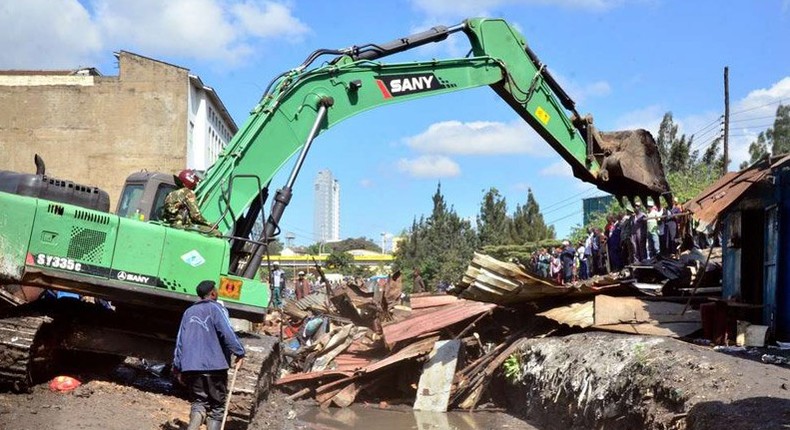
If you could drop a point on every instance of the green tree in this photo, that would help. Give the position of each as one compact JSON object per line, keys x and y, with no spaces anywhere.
{"x":667,"y":134}
{"x":441,"y":245}
{"x":492,"y":223}
{"x":774,"y":140}
{"x":339,"y":261}
{"x":759,"y":148}
{"x":781,"y":131}
{"x":680,"y":155}
{"x":527,"y":224}
{"x":275,"y":247}
{"x":687,"y":172}
{"x":353,"y":243}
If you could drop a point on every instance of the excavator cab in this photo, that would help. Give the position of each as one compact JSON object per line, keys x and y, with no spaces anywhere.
{"x":144,"y":195}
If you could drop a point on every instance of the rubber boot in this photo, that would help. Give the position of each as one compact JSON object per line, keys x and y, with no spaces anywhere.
{"x":213,"y":424}
{"x":196,"y":420}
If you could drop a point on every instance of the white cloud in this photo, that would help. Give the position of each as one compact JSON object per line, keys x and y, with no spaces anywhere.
{"x":648,"y":117}
{"x":65,"y":33}
{"x":429,"y":166}
{"x":479,"y":138}
{"x":268,"y":19}
{"x":753,"y":114}
{"x":47,"y":34}
{"x":521,"y":186}
{"x":366,"y":183}
{"x":581,"y":92}
{"x":560,"y":168}
{"x":748,"y":117}
{"x":484,"y":7}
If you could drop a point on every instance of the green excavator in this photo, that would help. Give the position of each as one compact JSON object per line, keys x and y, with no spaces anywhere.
{"x":148,"y":270}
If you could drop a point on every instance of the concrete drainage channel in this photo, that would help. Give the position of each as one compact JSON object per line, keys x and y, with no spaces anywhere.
{"x":601,"y":380}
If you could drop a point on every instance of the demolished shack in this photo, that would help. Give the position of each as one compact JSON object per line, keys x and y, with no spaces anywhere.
{"x":750,"y":209}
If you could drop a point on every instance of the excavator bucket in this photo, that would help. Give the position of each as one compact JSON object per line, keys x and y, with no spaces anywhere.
{"x":631,"y":166}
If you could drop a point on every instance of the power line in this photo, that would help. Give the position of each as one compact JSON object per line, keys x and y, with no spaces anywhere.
{"x":747,"y":127}
{"x":760,"y":106}
{"x":708,"y":125}
{"x":566,"y":199}
{"x":706,"y":133}
{"x":754,"y":119}
{"x":705,"y":143}
{"x":573,"y":202}
{"x":565,"y":217}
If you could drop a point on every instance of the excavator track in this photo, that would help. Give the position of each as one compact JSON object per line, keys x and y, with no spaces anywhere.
{"x":255,"y":377}
{"x":19,"y":350}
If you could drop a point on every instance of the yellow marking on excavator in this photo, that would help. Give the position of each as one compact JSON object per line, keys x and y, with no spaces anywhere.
{"x":542,"y":115}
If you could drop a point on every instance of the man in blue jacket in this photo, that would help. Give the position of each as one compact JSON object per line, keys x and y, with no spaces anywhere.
{"x":203,"y":347}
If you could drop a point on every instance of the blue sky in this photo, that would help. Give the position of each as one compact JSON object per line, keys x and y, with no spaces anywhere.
{"x":625,"y":62}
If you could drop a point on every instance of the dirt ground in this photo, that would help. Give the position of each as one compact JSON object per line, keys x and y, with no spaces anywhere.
{"x":126,"y":397}
{"x":666,"y":383}
{"x":612,"y":381}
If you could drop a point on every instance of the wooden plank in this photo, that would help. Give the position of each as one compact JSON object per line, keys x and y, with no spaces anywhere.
{"x":433,"y":390}
{"x":677,"y":329}
{"x":629,"y":315}
{"x":625,"y":310}
{"x":575,"y":315}
{"x":309,"y":376}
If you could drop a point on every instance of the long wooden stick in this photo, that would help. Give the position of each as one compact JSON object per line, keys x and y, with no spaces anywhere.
{"x":230,"y":392}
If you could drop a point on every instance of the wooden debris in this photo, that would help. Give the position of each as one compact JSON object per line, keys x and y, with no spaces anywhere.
{"x":629,"y":315}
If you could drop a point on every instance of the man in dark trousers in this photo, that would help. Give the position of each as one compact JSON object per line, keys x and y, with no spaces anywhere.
{"x":202,"y":357}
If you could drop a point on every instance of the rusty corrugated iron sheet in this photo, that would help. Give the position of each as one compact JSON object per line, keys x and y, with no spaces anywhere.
{"x":299,"y":308}
{"x":433,"y":319}
{"x":421,"y":302}
{"x":709,"y":204}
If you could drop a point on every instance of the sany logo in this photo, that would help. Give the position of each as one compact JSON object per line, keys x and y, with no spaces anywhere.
{"x":123,"y":276}
{"x":399,"y":85}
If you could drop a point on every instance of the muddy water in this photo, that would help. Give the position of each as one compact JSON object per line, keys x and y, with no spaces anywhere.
{"x":371,"y":417}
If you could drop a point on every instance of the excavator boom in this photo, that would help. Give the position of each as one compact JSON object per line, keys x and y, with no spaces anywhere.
{"x":302,"y":103}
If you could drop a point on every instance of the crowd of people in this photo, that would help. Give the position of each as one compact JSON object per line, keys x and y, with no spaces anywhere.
{"x":629,"y":237}
{"x":297,"y":288}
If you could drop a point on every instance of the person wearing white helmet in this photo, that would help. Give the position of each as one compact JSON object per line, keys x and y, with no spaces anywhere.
{"x":302,"y":286}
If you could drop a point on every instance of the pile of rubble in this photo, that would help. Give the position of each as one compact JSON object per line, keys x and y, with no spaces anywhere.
{"x":374,"y":343}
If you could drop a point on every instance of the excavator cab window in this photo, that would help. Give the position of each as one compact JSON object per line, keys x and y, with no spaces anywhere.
{"x":159,"y":200}
{"x":130,"y":199}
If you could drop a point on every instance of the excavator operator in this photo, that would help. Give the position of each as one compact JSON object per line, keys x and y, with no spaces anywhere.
{"x":180,"y":209}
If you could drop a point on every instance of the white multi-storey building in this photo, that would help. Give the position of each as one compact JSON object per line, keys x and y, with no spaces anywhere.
{"x":210,"y":125}
{"x":326,"y":215}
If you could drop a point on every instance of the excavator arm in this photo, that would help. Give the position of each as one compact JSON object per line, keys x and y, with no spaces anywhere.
{"x":304,"y":102}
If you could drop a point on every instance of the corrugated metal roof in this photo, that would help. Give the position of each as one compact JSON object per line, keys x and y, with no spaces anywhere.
{"x":433,"y":319}
{"x":489,"y":280}
{"x":709,"y":204}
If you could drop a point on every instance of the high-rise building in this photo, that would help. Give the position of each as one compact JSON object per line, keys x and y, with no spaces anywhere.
{"x":326,"y":213}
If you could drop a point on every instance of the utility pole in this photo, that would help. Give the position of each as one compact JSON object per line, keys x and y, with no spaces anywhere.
{"x":726,"y":118}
